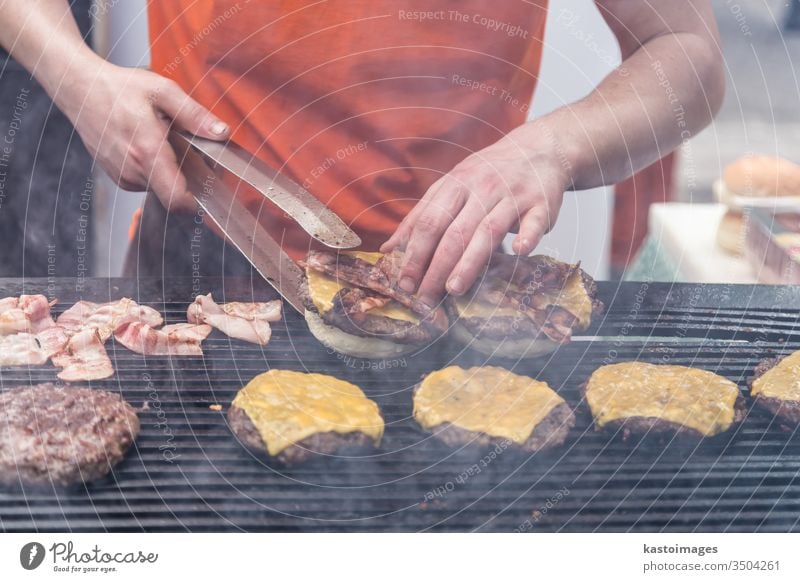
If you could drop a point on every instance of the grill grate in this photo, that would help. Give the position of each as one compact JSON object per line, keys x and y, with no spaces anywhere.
{"x":187,"y":473}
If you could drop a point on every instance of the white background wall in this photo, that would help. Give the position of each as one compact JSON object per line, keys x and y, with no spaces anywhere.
{"x":579,"y":52}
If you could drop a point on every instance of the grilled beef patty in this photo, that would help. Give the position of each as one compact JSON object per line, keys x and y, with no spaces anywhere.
{"x":548,"y":434}
{"x":324,"y":443}
{"x":786,"y":410}
{"x":657,"y":427}
{"x":501,"y":327}
{"x":62,"y":435}
{"x":368,"y":325}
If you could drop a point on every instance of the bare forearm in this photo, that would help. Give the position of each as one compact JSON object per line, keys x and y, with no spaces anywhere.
{"x":43,"y":36}
{"x":663,"y":94}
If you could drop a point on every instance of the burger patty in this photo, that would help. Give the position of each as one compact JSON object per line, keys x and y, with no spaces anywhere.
{"x":369,"y":325}
{"x":551,"y":432}
{"x":787,"y":410}
{"x":502,"y":327}
{"x":324,"y":443}
{"x":652,"y":426}
{"x":62,"y":435}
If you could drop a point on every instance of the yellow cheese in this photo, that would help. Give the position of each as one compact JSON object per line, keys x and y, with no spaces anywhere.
{"x":323,"y":288}
{"x":573,"y":297}
{"x":694,"y":398}
{"x":781,"y":382}
{"x":489,"y":400}
{"x":287,"y":407}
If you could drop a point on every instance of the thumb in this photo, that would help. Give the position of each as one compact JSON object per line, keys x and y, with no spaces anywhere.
{"x":189,"y":115}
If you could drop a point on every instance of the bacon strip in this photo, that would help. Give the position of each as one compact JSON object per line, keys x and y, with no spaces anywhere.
{"x":380,"y":277}
{"x":244,"y":321}
{"x":181,"y":339}
{"x":106,"y":317}
{"x":521,"y":283}
{"x":84,"y":358}
{"x":21,"y":349}
{"x":26,"y":313}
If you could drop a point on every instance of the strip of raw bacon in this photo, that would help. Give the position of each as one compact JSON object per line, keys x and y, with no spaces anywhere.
{"x":26,"y":313}
{"x":84,"y":358}
{"x":381,"y":277}
{"x":52,"y":340}
{"x":106,"y":317}
{"x":21,"y":349}
{"x":248,"y":322}
{"x":181,"y":339}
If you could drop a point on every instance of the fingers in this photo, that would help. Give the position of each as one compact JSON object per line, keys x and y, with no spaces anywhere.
{"x":451,"y":248}
{"x":188,"y":114}
{"x":488,"y":236}
{"x":168,"y":183}
{"x":399,"y":239}
{"x":533,"y":226}
{"x":431,"y":222}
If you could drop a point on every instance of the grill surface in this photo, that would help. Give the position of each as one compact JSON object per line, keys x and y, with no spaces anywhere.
{"x":187,"y":473}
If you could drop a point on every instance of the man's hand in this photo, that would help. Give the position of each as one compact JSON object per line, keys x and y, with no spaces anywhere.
{"x":515,"y":184}
{"x":124,"y":116}
{"x":669,"y":86}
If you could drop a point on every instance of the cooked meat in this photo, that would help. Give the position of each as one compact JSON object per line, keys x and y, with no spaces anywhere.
{"x":539,"y":290}
{"x":84,"y":358}
{"x":106,"y":317}
{"x":365,"y":323}
{"x":57,"y":435}
{"x":356,"y":302}
{"x":181,"y":339}
{"x":326,"y":443}
{"x":652,"y":399}
{"x":488,"y":405}
{"x":244,"y":321}
{"x":551,"y":432}
{"x":21,"y":349}
{"x":360,"y":273}
{"x":787,"y":409}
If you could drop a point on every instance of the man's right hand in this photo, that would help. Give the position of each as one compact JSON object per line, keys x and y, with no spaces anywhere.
{"x":124,"y":115}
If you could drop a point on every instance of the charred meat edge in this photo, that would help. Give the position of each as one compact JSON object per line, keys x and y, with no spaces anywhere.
{"x":380,"y":277}
{"x":114,"y":428}
{"x":369,"y":325}
{"x":785,"y":410}
{"x":658,"y":428}
{"x":510,"y":327}
{"x":322,"y":443}
{"x":551,"y":432}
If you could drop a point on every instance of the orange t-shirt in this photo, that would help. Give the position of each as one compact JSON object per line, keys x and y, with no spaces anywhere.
{"x":364,"y":102}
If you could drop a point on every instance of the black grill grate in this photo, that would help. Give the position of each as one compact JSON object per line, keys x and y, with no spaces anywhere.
{"x":744,"y":481}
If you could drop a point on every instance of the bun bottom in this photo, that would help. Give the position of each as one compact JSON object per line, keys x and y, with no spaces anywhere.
{"x":731,"y":233}
{"x":354,"y":345}
{"x":505,"y":348}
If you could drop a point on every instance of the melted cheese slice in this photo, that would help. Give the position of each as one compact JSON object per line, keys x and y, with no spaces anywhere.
{"x":694,"y":398}
{"x":323,"y":288}
{"x":490,"y":400}
{"x":573,"y":297}
{"x":287,"y":407}
{"x":781,"y":382}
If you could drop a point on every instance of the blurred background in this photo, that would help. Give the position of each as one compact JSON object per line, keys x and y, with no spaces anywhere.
{"x":662,"y":225}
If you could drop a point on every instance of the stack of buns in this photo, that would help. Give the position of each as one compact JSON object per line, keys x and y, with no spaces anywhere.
{"x":753,"y":180}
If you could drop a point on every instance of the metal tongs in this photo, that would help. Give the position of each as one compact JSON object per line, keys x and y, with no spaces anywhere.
{"x":206,"y":164}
